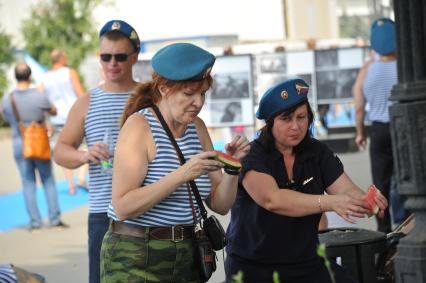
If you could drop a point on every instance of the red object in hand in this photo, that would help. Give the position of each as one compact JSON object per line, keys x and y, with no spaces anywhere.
{"x":369,"y":199}
{"x":229,"y":161}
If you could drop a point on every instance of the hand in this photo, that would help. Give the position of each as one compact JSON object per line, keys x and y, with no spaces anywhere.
{"x":200,"y":164}
{"x":50,"y":129}
{"x":382,"y":203}
{"x":349,"y":206}
{"x":96,"y":153}
{"x":238,"y":147}
{"x":361,"y":141}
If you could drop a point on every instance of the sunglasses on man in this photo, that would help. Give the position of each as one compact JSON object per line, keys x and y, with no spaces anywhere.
{"x":119,"y":57}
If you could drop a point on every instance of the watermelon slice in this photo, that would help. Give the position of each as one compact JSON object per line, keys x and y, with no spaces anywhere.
{"x":370,"y":200}
{"x":229,"y":161}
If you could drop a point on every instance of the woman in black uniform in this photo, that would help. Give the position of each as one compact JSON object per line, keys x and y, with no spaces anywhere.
{"x":274,"y":221}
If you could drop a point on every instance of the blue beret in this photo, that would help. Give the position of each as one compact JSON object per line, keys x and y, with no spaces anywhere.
{"x":282,"y":97}
{"x":382,"y":37}
{"x":182,"y":61}
{"x":123,"y":28}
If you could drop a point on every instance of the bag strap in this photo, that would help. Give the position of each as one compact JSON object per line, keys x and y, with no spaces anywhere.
{"x":15,"y":109}
{"x":192,"y":184}
{"x":191,"y":202}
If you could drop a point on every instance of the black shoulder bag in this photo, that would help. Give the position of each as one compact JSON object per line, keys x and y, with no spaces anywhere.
{"x":210,"y":227}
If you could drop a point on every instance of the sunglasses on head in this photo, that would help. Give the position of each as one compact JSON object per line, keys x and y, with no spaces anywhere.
{"x":119,"y":57}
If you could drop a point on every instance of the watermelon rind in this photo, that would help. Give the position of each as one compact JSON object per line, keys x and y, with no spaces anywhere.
{"x":227,"y":161}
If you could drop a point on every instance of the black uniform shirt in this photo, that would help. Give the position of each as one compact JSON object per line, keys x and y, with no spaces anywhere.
{"x":258,"y":235}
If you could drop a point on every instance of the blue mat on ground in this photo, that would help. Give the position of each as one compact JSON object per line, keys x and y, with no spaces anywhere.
{"x":13,"y":213}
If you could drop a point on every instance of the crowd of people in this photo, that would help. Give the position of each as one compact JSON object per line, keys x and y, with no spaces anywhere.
{"x":287,"y":182}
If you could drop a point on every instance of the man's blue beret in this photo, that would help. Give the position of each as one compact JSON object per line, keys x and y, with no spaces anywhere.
{"x":282,"y":97}
{"x":125,"y":29}
{"x":382,"y":37}
{"x":182,"y":62}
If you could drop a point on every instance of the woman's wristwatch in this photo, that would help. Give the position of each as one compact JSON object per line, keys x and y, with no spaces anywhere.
{"x":231,"y":171}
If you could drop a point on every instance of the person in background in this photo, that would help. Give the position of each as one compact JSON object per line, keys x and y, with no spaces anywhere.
{"x":279,"y":49}
{"x":62,"y":86}
{"x":280,"y":198}
{"x":228,"y":50}
{"x":373,"y":86}
{"x":32,"y":106}
{"x":10,"y":273}
{"x":152,"y":230}
{"x":95,"y":115}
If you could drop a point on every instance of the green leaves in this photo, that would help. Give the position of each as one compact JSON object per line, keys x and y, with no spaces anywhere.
{"x":238,"y":278}
{"x":63,"y":24}
{"x":6,"y":58}
{"x":322,"y":253}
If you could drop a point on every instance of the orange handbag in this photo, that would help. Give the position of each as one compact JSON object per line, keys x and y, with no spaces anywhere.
{"x":35,"y":141}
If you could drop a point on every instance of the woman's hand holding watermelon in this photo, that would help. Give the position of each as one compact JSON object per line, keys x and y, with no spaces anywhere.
{"x":198,"y":165}
{"x":349,"y":206}
{"x":376,"y":202}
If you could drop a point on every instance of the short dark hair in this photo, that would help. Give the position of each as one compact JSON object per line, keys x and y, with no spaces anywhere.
{"x":266,"y":138}
{"x":116,"y":35}
{"x":22,"y":72}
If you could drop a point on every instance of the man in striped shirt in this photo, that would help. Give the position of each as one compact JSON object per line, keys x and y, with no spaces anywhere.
{"x":373,"y":85}
{"x":92,"y":116}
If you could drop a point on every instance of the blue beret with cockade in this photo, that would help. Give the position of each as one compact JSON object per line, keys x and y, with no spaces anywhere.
{"x":125,"y":29}
{"x":282,"y":97}
{"x":382,"y":36}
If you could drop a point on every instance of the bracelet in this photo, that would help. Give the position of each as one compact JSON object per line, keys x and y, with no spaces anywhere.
{"x":231,"y":171}
{"x":319,"y":204}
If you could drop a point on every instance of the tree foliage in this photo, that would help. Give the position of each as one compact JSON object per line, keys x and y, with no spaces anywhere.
{"x":6,"y":58}
{"x":63,"y":24}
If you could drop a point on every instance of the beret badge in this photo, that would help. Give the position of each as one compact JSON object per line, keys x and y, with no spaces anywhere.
{"x":115,"y":25}
{"x":133,"y":35}
{"x":301,"y":88}
{"x":284,"y":94}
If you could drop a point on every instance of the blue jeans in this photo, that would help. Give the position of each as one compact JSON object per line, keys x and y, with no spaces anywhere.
{"x":27,"y":169}
{"x":98,"y":226}
{"x":399,"y":213}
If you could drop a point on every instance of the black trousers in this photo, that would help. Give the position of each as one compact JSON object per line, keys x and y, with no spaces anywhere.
{"x":381,"y":160}
{"x":255,"y":272}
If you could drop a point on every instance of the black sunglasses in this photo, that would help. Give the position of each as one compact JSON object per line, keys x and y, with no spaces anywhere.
{"x":119,"y":57}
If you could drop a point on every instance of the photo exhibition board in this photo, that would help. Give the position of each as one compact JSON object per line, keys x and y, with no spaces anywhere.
{"x":230,"y":100}
{"x":241,"y":80}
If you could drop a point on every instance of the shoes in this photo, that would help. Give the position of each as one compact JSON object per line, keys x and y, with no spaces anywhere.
{"x":83,"y":186}
{"x":60,"y":226}
{"x":33,"y":229}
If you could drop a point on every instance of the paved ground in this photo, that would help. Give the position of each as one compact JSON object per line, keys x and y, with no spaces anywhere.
{"x":61,"y":255}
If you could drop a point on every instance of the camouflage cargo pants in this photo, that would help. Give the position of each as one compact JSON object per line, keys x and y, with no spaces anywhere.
{"x":127,"y":259}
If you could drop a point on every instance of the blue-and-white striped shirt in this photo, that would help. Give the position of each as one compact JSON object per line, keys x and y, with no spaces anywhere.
{"x":381,"y":77}
{"x":104,"y":112}
{"x":175,"y":209}
{"x":7,"y":275}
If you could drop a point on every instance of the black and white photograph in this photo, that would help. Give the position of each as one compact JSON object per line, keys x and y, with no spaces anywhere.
{"x":326,"y":59}
{"x":230,"y":85}
{"x":326,"y":84}
{"x":230,"y":100}
{"x":226,"y":112}
{"x":142,"y":71}
{"x":345,"y":82}
{"x":273,"y":63}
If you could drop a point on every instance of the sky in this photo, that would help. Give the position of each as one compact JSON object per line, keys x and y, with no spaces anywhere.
{"x":251,"y":20}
